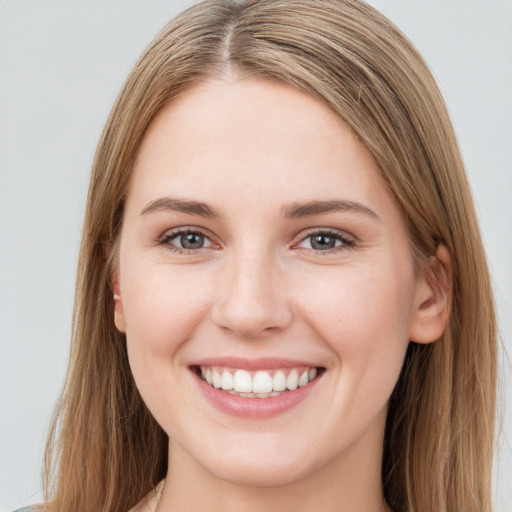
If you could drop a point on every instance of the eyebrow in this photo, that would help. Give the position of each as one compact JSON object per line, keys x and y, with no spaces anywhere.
{"x":290,"y":211}
{"x":181,"y":205}
{"x":310,"y":208}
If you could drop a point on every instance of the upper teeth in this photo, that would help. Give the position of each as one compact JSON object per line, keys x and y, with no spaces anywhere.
{"x":260,"y":382}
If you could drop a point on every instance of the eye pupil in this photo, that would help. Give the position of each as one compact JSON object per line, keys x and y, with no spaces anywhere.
{"x":192,"y":241}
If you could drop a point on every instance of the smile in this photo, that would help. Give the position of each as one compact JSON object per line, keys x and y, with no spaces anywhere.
{"x":257,"y":384}
{"x":256,"y":388}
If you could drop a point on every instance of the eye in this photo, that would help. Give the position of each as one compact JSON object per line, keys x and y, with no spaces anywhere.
{"x":325,"y":241}
{"x":185,"y":240}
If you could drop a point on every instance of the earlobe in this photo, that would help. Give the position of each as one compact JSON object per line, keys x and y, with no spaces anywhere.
{"x":433,"y":299}
{"x":119,"y":318}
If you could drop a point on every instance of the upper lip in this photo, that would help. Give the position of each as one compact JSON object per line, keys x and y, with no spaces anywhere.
{"x":261,"y":363}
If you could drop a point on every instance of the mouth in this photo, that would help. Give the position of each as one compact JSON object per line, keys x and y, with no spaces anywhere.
{"x":262,"y":383}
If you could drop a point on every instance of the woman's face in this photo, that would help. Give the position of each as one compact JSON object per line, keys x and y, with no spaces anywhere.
{"x":260,"y":249}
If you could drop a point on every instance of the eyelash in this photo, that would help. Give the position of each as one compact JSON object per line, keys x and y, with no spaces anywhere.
{"x":166,"y":239}
{"x":346,"y":242}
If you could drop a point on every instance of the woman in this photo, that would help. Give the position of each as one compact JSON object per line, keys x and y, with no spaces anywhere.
{"x":283,"y":299}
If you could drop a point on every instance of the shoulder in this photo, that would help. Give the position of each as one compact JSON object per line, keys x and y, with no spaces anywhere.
{"x":26,"y":509}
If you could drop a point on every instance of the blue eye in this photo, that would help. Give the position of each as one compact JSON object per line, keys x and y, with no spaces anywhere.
{"x":185,"y":240}
{"x":191,"y":240}
{"x":325,"y":241}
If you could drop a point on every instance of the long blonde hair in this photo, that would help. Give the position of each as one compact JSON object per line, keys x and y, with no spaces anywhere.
{"x":105,"y":451}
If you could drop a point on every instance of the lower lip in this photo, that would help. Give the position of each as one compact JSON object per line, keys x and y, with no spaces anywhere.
{"x":255,"y":407}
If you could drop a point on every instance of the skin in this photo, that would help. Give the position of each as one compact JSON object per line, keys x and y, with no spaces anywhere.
{"x":259,"y":288}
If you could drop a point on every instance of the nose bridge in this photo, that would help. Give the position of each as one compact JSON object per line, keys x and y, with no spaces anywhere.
{"x":252,"y":294}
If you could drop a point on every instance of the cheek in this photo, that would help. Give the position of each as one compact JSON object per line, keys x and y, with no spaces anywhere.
{"x":364,"y":316}
{"x":360,"y":300}
{"x":162,"y":309}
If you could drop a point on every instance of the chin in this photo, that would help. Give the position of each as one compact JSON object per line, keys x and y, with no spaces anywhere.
{"x":269,"y":474}
{"x":259,"y":466}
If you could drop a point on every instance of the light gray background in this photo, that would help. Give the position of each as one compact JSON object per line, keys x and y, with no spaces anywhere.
{"x":62,"y":63}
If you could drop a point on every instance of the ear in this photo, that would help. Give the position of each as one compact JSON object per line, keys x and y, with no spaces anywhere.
{"x":119,"y":318}
{"x":433,"y":299}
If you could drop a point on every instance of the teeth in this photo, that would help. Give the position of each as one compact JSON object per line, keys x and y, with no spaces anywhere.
{"x":260,"y":384}
{"x":245,"y":395}
{"x":227,"y":381}
{"x":292,"y":381}
{"x":279,"y":381}
{"x":242,"y":382}
{"x":216,"y":379}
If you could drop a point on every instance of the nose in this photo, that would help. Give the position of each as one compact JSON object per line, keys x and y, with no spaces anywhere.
{"x":251,"y":297}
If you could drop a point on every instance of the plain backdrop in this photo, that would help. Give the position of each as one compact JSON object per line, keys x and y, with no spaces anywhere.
{"x":62,"y":63}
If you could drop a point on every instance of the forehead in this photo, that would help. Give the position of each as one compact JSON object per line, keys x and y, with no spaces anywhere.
{"x":255,"y":137}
